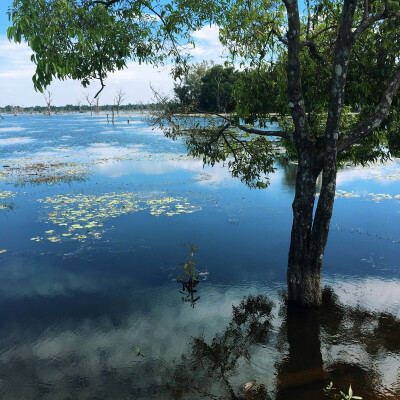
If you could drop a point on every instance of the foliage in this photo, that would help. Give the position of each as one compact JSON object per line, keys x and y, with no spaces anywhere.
{"x":249,"y":159}
{"x":207,"y":88}
{"x":85,"y":39}
{"x":188,"y":90}
{"x":216,"y":89}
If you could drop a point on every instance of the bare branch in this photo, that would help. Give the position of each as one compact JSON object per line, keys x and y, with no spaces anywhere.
{"x":48,"y":99}
{"x":119,"y":98}
{"x":362,"y":130}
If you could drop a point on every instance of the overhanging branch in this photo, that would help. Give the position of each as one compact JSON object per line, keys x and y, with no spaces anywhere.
{"x":254,"y":131}
{"x":261,"y":132}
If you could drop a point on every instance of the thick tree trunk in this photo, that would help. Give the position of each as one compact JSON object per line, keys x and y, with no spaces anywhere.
{"x":309,"y":231}
{"x":304,"y":273}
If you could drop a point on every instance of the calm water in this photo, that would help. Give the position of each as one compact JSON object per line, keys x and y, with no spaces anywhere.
{"x":92,"y":220}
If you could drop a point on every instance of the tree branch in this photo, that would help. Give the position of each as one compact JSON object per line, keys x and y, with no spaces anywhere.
{"x":254,"y":131}
{"x":220,"y":132}
{"x":295,"y":88}
{"x":362,"y":130}
{"x":368,"y":22}
{"x":343,"y":48}
{"x":261,"y":132}
{"x":230,"y":147}
{"x":327,"y":28}
{"x":279,"y":36}
{"x":102,"y":86}
{"x":107,"y":4}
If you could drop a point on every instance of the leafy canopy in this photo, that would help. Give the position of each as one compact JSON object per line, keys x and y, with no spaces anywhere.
{"x":87,"y":39}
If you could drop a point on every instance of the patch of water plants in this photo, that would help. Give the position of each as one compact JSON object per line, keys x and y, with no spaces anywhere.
{"x":82,"y":216}
{"x":370,"y":196}
{"x":6,"y":200}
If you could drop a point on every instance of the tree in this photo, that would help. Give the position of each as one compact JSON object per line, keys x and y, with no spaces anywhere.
{"x":89,"y":101}
{"x":48,"y":99}
{"x":319,"y":54}
{"x":315,"y":70}
{"x":207,"y":88}
{"x":316,"y":66}
{"x":216,"y":89}
{"x":119,"y":98}
{"x":189,"y":88}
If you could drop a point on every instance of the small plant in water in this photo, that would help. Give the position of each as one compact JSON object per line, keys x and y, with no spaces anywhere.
{"x":330,"y":392}
{"x":190,"y":277}
{"x":138,"y":352}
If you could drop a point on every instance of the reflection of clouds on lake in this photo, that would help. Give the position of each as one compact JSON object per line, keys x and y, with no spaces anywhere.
{"x":12,"y":129}
{"x":21,"y":277}
{"x":15,"y":140}
{"x":371,"y":293}
{"x":162,"y":163}
{"x":376,"y":171}
{"x":116,"y":169}
{"x":160,"y":326}
{"x":97,"y":349}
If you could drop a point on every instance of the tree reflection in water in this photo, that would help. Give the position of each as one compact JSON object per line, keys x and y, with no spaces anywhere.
{"x":346,"y":345}
{"x":206,"y":370}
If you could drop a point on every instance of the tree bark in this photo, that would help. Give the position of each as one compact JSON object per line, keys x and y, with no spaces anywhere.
{"x":304,"y":268}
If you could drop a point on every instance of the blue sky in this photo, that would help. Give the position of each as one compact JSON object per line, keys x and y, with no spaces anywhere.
{"x":16,"y":72}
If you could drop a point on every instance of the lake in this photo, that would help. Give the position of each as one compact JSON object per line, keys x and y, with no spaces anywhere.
{"x":93,"y":218}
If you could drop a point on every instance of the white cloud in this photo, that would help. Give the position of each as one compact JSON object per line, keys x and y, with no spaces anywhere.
{"x":209,"y":34}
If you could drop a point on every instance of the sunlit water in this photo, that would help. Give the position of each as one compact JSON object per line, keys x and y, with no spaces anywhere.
{"x":92,"y":220}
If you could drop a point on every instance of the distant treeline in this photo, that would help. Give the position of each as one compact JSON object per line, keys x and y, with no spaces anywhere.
{"x":75,"y":108}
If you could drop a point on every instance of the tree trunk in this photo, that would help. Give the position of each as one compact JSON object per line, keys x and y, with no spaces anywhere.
{"x":303,"y":278}
{"x":309,"y":232}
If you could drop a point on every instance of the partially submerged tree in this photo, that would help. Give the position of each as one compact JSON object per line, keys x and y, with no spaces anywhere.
{"x":48,"y":98}
{"x":119,"y":98}
{"x":89,"y":101}
{"x":311,"y":68}
{"x":306,"y":74}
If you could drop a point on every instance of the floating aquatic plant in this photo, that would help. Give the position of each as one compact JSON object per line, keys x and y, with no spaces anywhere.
{"x":6,"y":200}
{"x":82,"y":216}
{"x":21,"y":171}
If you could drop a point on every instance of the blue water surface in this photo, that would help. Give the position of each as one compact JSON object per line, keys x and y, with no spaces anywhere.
{"x":76,"y":303}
